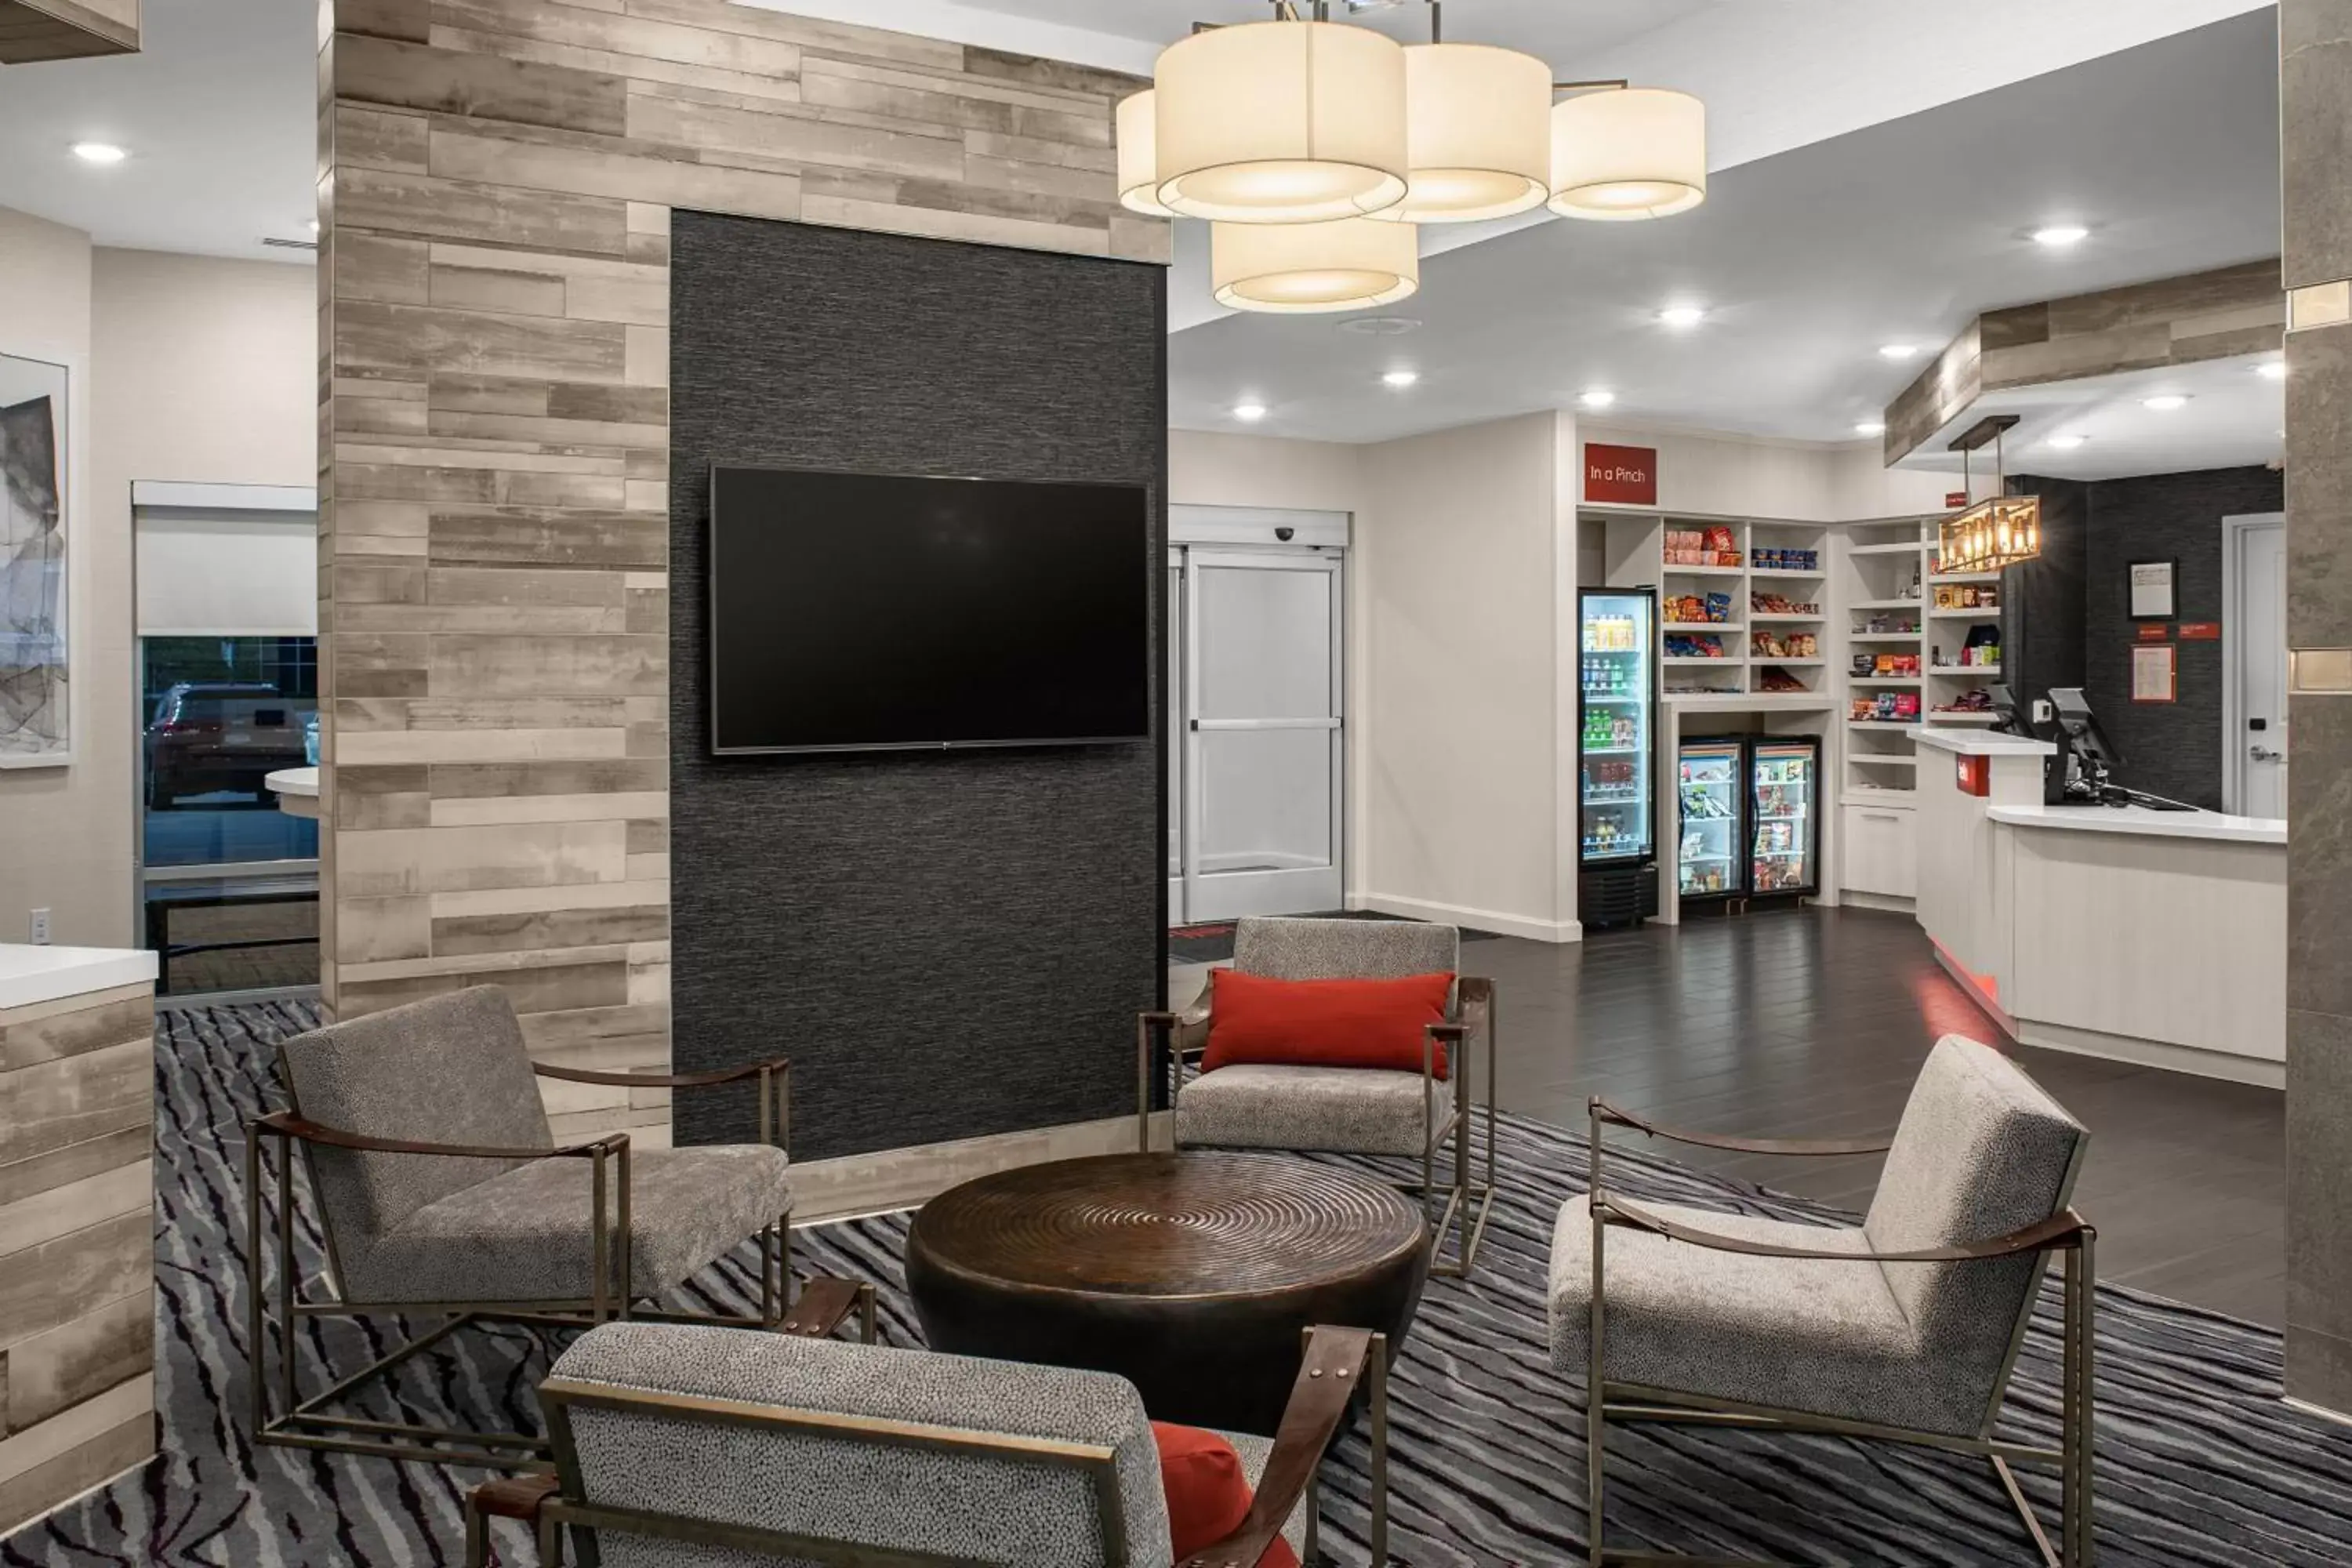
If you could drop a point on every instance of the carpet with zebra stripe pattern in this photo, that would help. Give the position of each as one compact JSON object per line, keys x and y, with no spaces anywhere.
{"x":2198,"y":1462}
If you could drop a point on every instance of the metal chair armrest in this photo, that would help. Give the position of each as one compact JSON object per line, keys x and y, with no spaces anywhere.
{"x":825,"y":1304}
{"x":664,"y":1080}
{"x":2062,"y":1230}
{"x":295,"y":1127}
{"x":1336,"y":1364}
{"x":1604,"y":1110}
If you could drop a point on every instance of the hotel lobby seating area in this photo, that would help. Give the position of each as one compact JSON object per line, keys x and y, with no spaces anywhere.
{"x":1181,"y":784}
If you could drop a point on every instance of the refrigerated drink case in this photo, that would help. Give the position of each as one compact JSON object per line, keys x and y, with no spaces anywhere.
{"x":1710,"y":780}
{"x":1617,"y":696}
{"x":1784,"y":853}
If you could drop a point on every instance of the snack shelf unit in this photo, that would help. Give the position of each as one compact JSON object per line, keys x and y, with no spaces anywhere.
{"x":1911,"y":623}
{"x":1774,"y":602}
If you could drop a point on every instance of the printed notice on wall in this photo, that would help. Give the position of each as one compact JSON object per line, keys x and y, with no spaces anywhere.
{"x":2153,"y":670}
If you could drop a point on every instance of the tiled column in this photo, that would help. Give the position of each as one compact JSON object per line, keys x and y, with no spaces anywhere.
{"x":2315,"y":42}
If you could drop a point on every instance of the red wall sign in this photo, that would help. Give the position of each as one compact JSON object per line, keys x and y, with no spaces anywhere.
{"x":1626,"y":476}
{"x":1956,"y":498}
{"x":2158,"y":633}
{"x":2200,"y":631}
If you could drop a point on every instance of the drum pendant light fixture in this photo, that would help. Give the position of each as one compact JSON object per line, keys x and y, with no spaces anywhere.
{"x":1348,"y":264}
{"x":1478,"y":133}
{"x":1280,"y":122}
{"x":1628,"y":152}
{"x":1314,"y":149}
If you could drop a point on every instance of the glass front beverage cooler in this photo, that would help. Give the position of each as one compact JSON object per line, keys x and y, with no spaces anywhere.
{"x":1617,"y":705}
{"x":1784,"y":801}
{"x":1709,"y":779}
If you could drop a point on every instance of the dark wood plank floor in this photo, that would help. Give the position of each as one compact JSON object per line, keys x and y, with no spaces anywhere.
{"x":1812,"y":1022}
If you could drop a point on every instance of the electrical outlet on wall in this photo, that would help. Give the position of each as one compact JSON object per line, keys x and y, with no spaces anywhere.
{"x":40,"y":928}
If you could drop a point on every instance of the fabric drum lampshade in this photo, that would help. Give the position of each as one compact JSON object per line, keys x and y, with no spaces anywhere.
{"x":1139,"y":155}
{"x":1633,"y":153}
{"x":1480,"y":134}
{"x":1281,"y":122}
{"x":1307,"y":267}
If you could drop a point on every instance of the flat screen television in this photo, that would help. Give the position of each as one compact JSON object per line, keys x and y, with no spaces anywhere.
{"x":864,"y":612}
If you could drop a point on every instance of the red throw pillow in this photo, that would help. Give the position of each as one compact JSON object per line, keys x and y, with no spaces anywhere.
{"x":1208,"y":1496}
{"x":1323,"y":1023}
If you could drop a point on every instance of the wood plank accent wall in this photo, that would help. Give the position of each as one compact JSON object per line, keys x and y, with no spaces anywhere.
{"x":34,"y":30}
{"x":77,"y":1246}
{"x":495,"y":183}
{"x":2210,"y":315}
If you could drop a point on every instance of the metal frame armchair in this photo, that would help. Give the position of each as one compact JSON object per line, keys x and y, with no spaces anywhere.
{"x":1347,"y":1110}
{"x":1920,"y":1328}
{"x":492,"y":1223}
{"x":880,"y":1458}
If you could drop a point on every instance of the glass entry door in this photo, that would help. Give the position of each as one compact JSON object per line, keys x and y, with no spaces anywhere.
{"x":1259,"y":793}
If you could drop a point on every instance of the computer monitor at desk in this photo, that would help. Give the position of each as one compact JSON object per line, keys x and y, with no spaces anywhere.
{"x":2086,"y":759}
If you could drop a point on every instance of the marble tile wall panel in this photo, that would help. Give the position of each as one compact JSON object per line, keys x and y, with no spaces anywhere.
{"x":497,"y":178}
{"x":2316,"y":101}
{"x":76,"y":1245}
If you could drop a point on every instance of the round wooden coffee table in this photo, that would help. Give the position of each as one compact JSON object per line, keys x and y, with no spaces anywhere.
{"x":1194,"y":1275}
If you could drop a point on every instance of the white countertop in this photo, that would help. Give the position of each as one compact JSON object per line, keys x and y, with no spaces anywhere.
{"x":2140,"y":819}
{"x":1978,"y":743}
{"x":294,"y":781}
{"x":30,"y":974}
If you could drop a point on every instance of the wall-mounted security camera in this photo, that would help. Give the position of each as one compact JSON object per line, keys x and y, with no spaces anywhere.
{"x":1285,"y":534}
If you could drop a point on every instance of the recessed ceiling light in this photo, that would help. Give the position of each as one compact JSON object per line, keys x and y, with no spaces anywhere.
{"x":1682,"y":315}
{"x":2059,"y":235}
{"x":2271,"y":370}
{"x":1380,"y":326}
{"x":1598,"y":397}
{"x":1870,"y":427}
{"x":2066,"y":443}
{"x":314,"y":225}
{"x":1400,"y":378}
{"x":1249,"y":413}
{"x":1898,"y":351}
{"x":2165,"y":402}
{"x":99,"y":152}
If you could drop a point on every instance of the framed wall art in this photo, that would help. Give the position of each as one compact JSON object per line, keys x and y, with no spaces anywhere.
{"x":35,"y":675}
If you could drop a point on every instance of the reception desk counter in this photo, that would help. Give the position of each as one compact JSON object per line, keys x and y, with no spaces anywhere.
{"x":2148,"y":936}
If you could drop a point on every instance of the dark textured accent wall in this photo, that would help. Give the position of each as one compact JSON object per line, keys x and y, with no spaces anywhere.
{"x":946,"y":946}
{"x":2170,"y":749}
{"x":2041,"y":613}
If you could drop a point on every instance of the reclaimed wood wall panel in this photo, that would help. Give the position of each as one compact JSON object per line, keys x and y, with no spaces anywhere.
{"x":77,"y":1246}
{"x":2219,"y":314}
{"x":497,"y":179}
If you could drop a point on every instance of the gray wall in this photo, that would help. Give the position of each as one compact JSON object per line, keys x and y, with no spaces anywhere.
{"x":947,"y":946}
{"x":2041,"y":601}
{"x":2170,"y":749}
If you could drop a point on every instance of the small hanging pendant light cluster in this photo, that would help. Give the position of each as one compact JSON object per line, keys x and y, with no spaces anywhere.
{"x":1997,"y":532}
{"x":1314,"y":148}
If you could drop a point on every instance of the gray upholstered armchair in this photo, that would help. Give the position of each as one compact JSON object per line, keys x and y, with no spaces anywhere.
{"x":441,"y":1190}
{"x":1344,"y":1110}
{"x":688,"y":1447}
{"x":1904,"y":1328}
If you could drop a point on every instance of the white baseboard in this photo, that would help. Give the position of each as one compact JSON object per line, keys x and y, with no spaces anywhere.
{"x":1891,"y":903}
{"x":1460,"y":915}
{"x":894,"y":1178}
{"x":2257,"y":1071}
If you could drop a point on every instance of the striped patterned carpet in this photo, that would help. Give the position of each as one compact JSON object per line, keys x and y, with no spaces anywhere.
{"x":2199,"y":1463}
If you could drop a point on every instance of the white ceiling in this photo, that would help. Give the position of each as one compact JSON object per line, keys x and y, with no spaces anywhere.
{"x":1808,"y":260}
{"x":217,"y":111}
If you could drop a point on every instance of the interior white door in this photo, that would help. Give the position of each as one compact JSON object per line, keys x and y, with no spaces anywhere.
{"x":1174,"y":714}
{"x":2260,"y":745}
{"x":1262,"y":787}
